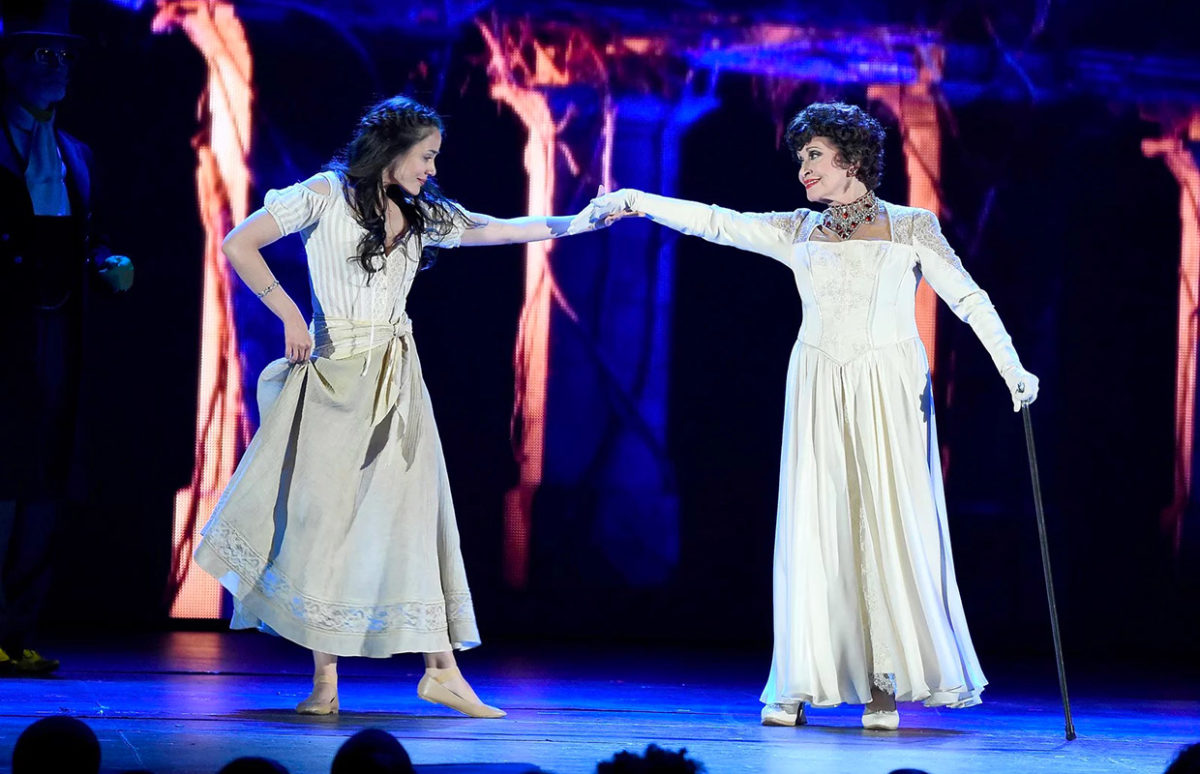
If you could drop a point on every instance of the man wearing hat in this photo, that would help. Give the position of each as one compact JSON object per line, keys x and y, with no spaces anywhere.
{"x":49,"y":255}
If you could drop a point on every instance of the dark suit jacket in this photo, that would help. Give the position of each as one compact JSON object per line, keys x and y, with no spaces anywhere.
{"x":27,"y":245}
{"x":16,"y":220}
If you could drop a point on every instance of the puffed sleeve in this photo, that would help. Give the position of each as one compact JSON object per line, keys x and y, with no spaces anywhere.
{"x":298,"y":206}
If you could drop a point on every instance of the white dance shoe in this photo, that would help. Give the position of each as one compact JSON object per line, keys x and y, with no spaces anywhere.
{"x":883,"y":720}
{"x":783,"y":715}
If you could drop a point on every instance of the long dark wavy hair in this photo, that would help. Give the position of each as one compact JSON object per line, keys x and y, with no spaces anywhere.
{"x":857,"y":135}
{"x":387,"y":130}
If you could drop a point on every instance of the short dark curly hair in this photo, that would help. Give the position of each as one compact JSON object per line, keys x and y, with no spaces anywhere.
{"x":856,"y":134}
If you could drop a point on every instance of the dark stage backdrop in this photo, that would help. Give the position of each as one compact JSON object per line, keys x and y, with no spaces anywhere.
{"x":1079,"y":251}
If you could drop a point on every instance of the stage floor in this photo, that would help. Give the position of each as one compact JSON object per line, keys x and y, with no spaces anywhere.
{"x":191,"y":701}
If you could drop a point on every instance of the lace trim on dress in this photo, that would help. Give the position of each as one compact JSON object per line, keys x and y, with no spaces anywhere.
{"x":923,"y":230}
{"x":878,"y":622}
{"x":845,"y":283}
{"x":808,"y":224}
{"x":884,"y":681}
{"x":927,"y":232}
{"x":254,"y":570}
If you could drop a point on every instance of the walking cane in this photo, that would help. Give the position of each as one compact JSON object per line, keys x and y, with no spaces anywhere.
{"x":1041,"y":520}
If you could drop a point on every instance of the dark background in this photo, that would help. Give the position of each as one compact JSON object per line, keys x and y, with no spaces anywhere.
{"x":1079,"y":251}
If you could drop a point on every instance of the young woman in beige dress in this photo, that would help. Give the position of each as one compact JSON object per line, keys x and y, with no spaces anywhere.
{"x":337,"y":529}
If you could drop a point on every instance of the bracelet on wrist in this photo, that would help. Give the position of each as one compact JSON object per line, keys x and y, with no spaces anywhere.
{"x":267,"y":289}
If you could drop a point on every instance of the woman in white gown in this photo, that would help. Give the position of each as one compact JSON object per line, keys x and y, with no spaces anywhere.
{"x":866,"y":607}
{"x":337,"y":529}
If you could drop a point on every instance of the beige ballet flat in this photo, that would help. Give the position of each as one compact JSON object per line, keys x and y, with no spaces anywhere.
{"x":432,"y":690}
{"x":883,"y":720}
{"x":314,"y":706}
{"x":783,"y":715}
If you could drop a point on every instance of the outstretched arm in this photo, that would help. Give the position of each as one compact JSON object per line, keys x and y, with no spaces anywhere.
{"x":771,"y":234}
{"x":508,"y":231}
{"x":533,"y":228}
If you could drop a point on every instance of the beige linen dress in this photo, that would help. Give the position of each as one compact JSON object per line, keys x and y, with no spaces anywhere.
{"x":337,"y":529}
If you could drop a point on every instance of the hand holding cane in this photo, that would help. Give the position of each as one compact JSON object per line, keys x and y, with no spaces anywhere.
{"x":1041,"y":521}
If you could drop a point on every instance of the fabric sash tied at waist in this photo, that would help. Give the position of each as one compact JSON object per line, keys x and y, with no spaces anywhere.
{"x":399,"y":384}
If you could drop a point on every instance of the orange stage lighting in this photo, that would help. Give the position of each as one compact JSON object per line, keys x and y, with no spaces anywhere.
{"x":915,"y":108}
{"x":1182,"y":164}
{"x":222,"y":186}
{"x":520,"y":67}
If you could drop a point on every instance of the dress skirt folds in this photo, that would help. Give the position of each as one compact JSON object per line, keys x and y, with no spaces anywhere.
{"x":864,"y":587}
{"x":863,"y":580}
{"x":337,"y":529}
{"x":864,"y":583}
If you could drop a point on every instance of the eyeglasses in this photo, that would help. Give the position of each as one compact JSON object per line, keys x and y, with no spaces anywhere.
{"x":52,"y":56}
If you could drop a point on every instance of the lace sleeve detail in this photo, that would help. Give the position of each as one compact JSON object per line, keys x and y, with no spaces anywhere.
{"x":787,"y":222}
{"x":944,"y":272}
{"x":927,"y":233}
{"x":941,"y":266}
{"x":298,"y":206}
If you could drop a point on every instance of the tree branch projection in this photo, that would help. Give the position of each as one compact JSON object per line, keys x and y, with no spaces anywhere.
{"x":523,"y":69}
{"x":526,"y":62}
{"x":915,"y":108}
{"x":222,"y":187}
{"x":1181,"y":160}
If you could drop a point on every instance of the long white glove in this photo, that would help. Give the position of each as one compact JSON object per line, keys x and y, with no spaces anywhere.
{"x":976,"y":309}
{"x":591,"y":218}
{"x":944,"y":272}
{"x":585,"y":221}
{"x":769,"y":234}
{"x":1022,"y":386}
{"x":613,"y":205}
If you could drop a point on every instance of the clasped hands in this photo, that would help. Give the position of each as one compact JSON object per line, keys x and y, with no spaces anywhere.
{"x":604,"y":210}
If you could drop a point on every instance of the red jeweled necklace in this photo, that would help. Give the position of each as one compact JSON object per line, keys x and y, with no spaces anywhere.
{"x":844,"y":219}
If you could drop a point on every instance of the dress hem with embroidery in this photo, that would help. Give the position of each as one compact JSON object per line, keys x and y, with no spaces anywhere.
{"x":257,"y":608}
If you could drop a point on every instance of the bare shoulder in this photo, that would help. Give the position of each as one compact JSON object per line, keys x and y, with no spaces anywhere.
{"x":321,"y":183}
